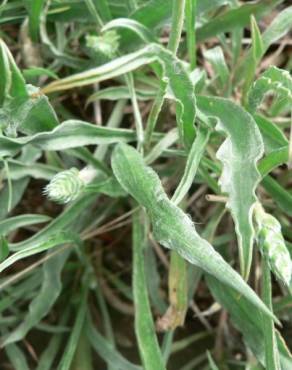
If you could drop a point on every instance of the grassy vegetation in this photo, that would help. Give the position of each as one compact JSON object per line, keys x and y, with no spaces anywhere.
{"x":145,"y":197}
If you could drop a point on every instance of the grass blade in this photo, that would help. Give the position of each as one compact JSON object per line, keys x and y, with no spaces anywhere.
{"x":144,"y":327}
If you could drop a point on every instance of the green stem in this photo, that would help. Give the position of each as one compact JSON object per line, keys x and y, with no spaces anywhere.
{"x":190,"y":14}
{"x":173,"y":43}
{"x":271,"y":349}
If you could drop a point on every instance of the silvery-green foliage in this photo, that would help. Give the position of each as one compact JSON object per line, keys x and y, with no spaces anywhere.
{"x":65,"y":187}
{"x":171,"y":226}
{"x":272,"y":244}
{"x":273,"y":79}
{"x":239,"y":154}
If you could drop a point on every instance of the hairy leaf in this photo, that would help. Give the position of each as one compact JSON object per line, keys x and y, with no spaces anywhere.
{"x":273,"y":79}
{"x":144,"y":326}
{"x":70,"y":134}
{"x":240,"y":175}
{"x":43,"y":302}
{"x":174,"y":73}
{"x":171,"y":226}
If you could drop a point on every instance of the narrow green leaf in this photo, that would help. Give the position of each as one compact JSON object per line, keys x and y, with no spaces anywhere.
{"x":19,"y":170}
{"x":33,"y":72}
{"x":144,"y":326}
{"x":233,"y":18}
{"x":216,"y":57}
{"x":271,"y":349}
{"x":281,"y":196}
{"x":192,"y":164}
{"x":257,"y":50}
{"x":43,"y":302}
{"x":57,"y":225}
{"x":12,"y":84}
{"x":16,"y":357}
{"x":281,"y":24}
{"x":250,"y":325}
{"x":121,"y":92}
{"x":18,"y":188}
{"x":38,"y":248}
{"x":274,"y":139}
{"x":170,"y":138}
{"x":174,"y":73}
{"x":13,"y":223}
{"x":4,"y":249}
{"x":257,"y":42}
{"x":69,"y":351}
{"x":35,"y":8}
{"x":69,"y":134}
{"x":106,"y":351}
{"x":153,"y":13}
{"x":55,"y":344}
{"x":171,"y":226}
{"x":212,"y":364}
{"x":273,"y":160}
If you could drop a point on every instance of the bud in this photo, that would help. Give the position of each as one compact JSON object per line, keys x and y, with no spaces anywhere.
{"x":107,"y":43}
{"x":272,"y":244}
{"x":65,"y":187}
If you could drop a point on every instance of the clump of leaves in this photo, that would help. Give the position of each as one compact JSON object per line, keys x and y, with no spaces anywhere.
{"x":154,"y":129}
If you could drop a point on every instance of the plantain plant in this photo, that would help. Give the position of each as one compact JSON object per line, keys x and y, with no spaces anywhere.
{"x":145,"y":202}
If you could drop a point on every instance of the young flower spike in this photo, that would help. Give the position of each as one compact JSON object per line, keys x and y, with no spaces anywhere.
{"x":107,"y":43}
{"x":272,"y":244}
{"x":67,"y":185}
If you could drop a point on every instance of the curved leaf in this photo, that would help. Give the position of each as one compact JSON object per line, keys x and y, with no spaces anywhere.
{"x":273,"y":79}
{"x":174,"y":73}
{"x":13,"y":223}
{"x":250,"y":325}
{"x":144,"y":326}
{"x":43,"y":302}
{"x":140,"y":30}
{"x":240,"y":175}
{"x":171,"y":226}
{"x":277,"y":29}
{"x":70,"y":134}
{"x":52,"y":242}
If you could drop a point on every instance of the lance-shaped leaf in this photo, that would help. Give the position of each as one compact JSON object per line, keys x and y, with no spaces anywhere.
{"x":281,"y":25}
{"x":249,"y":322}
{"x":144,"y":325}
{"x":273,"y":79}
{"x":70,"y":134}
{"x":12,"y":84}
{"x":171,"y":226}
{"x":240,"y":176}
{"x":43,"y":302}
{"x":59,"y":239}
{"x":174,"y":73}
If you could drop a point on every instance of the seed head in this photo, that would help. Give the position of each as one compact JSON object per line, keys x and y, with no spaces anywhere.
{"x":65,"y":187}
